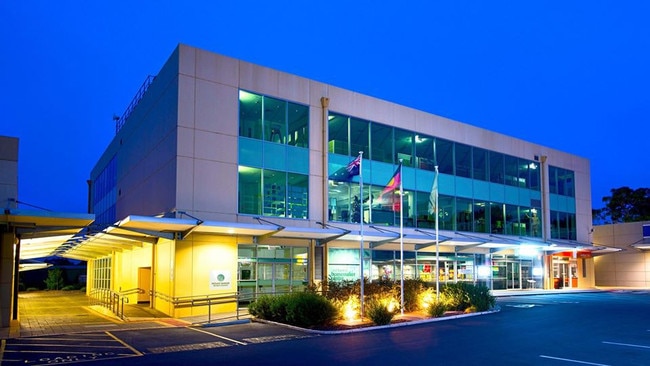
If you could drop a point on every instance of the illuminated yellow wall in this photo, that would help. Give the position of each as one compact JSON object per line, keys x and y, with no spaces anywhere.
{"x":163,"y":278}
{"x":126,"y":265}
{"x":197,"y":258}
{"x":90,"y":276}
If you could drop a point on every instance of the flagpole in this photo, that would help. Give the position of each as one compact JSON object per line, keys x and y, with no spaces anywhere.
{"x":401,"y":235}
{"x":361,"y":231}
{"x":435,"y":184}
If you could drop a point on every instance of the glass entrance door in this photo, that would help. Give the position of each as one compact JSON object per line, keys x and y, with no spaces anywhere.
{"x":273,"y":277}
{"x":513,"y":275}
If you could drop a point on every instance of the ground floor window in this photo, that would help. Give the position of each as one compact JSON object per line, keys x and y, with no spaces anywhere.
{"x":344,"y":264}
{"x":102,"y":273}
{"x":264,"y":269}
{"x":511,"y":272}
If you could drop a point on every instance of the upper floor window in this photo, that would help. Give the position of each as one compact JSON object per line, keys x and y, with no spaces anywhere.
{"x":271,"y":119}
{"x":561,"y":181}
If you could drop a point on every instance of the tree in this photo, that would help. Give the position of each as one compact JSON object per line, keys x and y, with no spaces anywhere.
{"x":626,"y":205}
{"x":54,"y":280}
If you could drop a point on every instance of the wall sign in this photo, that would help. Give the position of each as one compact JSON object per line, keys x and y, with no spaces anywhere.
{"x":220,"y":279}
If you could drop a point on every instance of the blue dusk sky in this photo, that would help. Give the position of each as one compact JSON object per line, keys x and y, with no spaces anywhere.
{"x":570,"y":75}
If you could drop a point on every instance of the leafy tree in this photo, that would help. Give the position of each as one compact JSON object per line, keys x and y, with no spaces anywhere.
{"x":625,"y":205}
{"x":54,"y":280}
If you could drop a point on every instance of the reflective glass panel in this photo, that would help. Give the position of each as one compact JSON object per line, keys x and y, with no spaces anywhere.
{"x":298,"y":121}
{"x":250,"y":188}
{"x":463,"y":160}
{"x":250,"y":115}
{"x":381,"y":143}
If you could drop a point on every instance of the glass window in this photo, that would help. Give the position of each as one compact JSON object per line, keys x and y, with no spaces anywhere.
{"x":267,"y":118}
{"x":250,"y":188}
{"x":463,"y":160}
{"x":250,"y":115}
{"x":555,"y":225}
{"x":444,"y":156}
{"x":463,"y":214}
{"x":298,"y":192}
{"x":446,"y":212}
{"x":338,"y":134}
{"x":511,"y":170}
{"x":409,"y":208}
{"x":404,"y":147}
{"x":275,"y":193}
{"x":564,"y":225}
{"x":298,"y":118}
{"x":534,"y":176}
{"x":565,"y":182}
{"x":339,"y":207}
{"x":571,"y":226}
{"x":531,"y":220}
{"x":384,"y":211}
{"x":381,"y":143}
{"x":497,"y":168}
{"x":480,"y":164}
{"x":524,"y":173}
{"x":552,"y":179}
{"x":424,"y":152}
{"x":513,"y":227}
{"x":424,"y":218}
{"x":359,"y":136}
{"x":481,"y":217}
{"x":275,"y":116}
{"x":497,"y":213}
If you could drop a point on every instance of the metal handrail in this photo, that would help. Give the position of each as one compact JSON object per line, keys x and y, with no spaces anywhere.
{"x":206,"y":300}
{"x":114,"y":301}
{"x":119,"y":121}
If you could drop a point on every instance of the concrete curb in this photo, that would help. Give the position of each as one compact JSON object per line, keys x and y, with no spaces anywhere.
{"x":375,"y":327}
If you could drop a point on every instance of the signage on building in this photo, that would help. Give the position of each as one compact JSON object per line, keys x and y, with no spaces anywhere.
{"x":646,"y":231}
{"x":220,"y":280}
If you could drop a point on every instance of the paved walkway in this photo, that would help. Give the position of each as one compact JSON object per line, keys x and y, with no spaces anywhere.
{"x":60,"y":312}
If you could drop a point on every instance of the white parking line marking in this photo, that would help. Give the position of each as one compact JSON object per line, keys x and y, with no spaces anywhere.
{"x":626,"y":344}
{"x":218,"y":336}
{"x":574,"y":361}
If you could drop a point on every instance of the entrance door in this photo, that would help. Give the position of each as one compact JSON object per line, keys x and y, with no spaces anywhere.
{"x":144,"y":283}
{"x":561,"y":274}
{"x":513,"y":275}
{"x":273,"y":277}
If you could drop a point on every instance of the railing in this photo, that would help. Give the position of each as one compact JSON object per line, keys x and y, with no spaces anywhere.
{"x":113,"y":301}
{"x":211,"y":300}
{"x":206,"y":300}
{"x":119,"y":121}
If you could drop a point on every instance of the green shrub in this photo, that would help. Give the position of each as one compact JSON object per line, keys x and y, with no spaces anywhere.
{"x":462,"y":295}
{"x":309,"y":310}
{"x":456,"y":295}
{"x":379,"y":313}
{"x":436,"y":309}
{"x":262,"y":306}
{"x":303,"y":309}
{"x":481,"y":298}
{"x":412,"y":290}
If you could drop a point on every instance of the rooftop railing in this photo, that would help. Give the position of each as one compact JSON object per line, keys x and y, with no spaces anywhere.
{"x":119,"y":120}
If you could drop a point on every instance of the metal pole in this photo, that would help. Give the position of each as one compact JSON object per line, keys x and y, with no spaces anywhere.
{"x":437,"y":238}
{"x":361,"y":312}
{"x":401,"y":236}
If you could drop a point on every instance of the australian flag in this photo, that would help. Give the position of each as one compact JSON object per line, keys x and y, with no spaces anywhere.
{"x":347,"y":172}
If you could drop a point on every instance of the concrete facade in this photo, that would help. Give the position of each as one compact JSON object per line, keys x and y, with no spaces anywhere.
{"x":8,"y":241}
{"x":629,"y":267}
